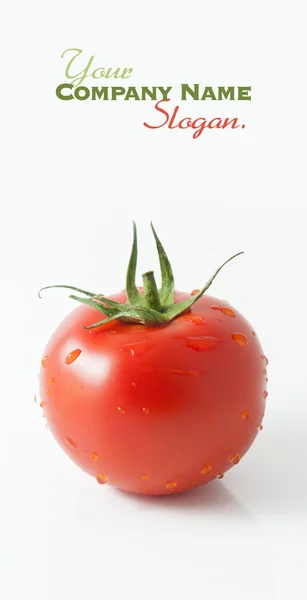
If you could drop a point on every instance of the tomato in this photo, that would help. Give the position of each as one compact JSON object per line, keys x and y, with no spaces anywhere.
{"x":155,"y":409}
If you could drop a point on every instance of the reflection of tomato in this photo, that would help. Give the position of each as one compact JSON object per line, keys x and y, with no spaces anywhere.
{"x":155,"y":410}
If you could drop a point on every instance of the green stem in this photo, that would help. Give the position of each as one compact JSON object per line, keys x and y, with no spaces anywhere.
{"x":151,"y":293}
{"x":151,"y":309}
{"x":167,"y":284}
{"x":133,"y":294}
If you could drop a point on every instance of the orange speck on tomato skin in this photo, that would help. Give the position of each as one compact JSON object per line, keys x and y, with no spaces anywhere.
{"x":94,"y":456}
{"x":234,"y":459}
{"x":202,"y":343}
{"x":224,"y":309}
{"x":48,"y":393}
{"x":240,"y":338}
{"x":145,"y":477}
{"x":44,"y":361}
{"x":264,"y":371}
{"x":206,"y":470}
{"x":72,"y":356}
{"x":265,"y":395}
{"x":121,"y":410}
{"x":43,"y":403}
{"x":171,"y":485}
{"x":70,"y":442}
{"x":51,"y":380}
{"x":101,"y":478}
{"x":245,"y":415}
{"x":194,"y":292}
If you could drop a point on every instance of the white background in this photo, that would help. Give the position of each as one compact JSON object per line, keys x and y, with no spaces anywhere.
{"x":74,"y":175}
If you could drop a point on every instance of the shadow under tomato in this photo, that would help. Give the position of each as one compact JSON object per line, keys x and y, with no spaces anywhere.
{"x":271,"y":479}
{"x":212,"y":497}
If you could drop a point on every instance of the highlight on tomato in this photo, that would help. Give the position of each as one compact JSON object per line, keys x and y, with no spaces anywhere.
{"x":154,"y":391}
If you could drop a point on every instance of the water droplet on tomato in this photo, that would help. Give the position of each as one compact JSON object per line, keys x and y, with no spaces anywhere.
{"x":264,"y":371}
{"x":121,"y":410}
{"x":253,"y":332}
{"x":224,"y":309}
{"x":206,"y":470}
{"x":101,"y":478}
{"x":245,"y":415}
{"x":234,"y":459}
{"x":145,"y":477}
{"x":94,"y":456}
{"x":70,"y":442}
{"x":195,"y":320}
{"x":51,"y":380}
{"x":72,"y":356}
{"x":220,"y":475}
{"x":182,"y":372}
{"x":265,"y":395}
{"x":44,"y":361}
{"x":260,"y":428}
{"x":43,"y":403}
{"x":48,"y":393}
{"x":35,"y":398}
{"x":267,"y":379}
{"x":146,"y":411}
{"x":194,"y":292}
{"x":136,"y":348}
{"x":202,"y":343}
{"x":240,"y":338}
{"x":133,"y":384}
{"x":171,"y":485}
{"x":265,"y":359}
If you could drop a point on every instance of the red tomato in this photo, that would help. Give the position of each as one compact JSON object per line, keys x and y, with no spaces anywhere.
{"x":155,"y":410}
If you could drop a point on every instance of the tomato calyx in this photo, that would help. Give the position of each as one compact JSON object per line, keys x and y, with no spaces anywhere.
{"x":152,"y":307}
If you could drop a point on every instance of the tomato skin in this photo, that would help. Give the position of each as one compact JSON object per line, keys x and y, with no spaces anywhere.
{"x":155,"y":410}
